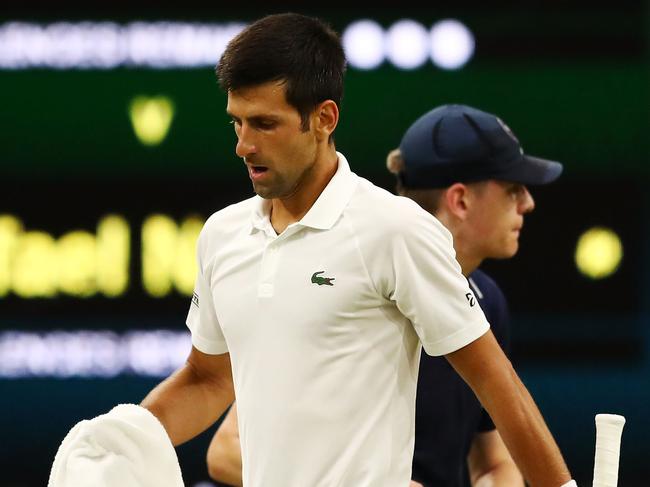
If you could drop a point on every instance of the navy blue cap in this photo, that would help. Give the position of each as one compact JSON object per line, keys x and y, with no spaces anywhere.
{"x":458,"y":143}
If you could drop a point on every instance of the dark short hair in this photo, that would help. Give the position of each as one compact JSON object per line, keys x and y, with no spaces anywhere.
{"x":303,"y":52}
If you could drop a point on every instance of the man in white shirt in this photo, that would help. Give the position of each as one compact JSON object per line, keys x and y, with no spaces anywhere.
{"x":312,"y":298}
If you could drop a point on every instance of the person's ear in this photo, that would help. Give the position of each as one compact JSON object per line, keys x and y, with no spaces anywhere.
{"x":325,"y":119}
{"x":456,"y":200}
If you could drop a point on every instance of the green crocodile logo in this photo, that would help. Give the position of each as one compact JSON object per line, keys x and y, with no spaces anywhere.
{"x":316,"y":279}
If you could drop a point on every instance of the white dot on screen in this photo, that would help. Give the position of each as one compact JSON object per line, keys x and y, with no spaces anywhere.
{"x":406,"y":44}
{"x":452,"y":44}
{"x":363,"y":42}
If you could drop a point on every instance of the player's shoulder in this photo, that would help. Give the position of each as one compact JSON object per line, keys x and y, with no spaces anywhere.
{"x":373,"y":198}
{"x":235,"y":213}
{"x":382,"y":211}
{"x":227,"y":220}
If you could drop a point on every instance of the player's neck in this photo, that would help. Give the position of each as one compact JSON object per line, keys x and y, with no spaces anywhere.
{"x":468,"y":263}
{"x":285,"y":211}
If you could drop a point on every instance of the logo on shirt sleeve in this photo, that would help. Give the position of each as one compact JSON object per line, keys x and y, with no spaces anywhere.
{"x":470,"y":299}
{"x":195,"y":299}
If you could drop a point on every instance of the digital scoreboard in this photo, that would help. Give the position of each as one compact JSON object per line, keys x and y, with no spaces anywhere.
{"x":109,"y":169}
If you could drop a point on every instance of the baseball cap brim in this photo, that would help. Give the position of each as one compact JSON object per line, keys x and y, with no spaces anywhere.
{"x":533,"y":170}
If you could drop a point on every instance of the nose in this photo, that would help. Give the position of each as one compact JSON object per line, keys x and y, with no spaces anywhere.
{"x":245,"y":146}
{"x":526,"y":202}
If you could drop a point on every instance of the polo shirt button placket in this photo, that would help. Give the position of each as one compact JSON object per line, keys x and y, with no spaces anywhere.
{"x":265,"y":288}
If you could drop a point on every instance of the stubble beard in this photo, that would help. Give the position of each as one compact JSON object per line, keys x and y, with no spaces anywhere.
{"x":277,"y":189}
{"x":281,"y":188}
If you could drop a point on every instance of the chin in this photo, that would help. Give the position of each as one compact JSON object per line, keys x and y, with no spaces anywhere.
{"x":506,"y":252}
{"x":265,"y":191}
{"x":512,"y":251}
{"x":261,"y":192}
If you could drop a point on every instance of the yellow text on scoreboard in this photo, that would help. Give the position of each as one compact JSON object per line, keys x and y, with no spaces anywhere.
{"x":36,"y":264}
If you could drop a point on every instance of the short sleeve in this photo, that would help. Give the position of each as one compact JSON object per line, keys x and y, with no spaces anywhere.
{"x":500,"y":320}
{"x":202,"y":321}
{"x":495,"y":306}
{"x":485,"y":424}
{"x":429,"y":288}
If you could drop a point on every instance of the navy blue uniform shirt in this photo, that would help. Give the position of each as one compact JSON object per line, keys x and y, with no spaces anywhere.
{"x":448,"y":415}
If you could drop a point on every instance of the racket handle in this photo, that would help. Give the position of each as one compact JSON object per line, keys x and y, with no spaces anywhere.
{"x":609,"y":428}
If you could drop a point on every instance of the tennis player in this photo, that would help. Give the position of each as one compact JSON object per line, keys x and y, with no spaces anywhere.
{"x":314,"y":298}
{"x":483,"y":206}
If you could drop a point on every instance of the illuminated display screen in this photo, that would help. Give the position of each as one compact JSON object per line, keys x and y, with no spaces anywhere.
{"x":111,"y":249}
{"x":108,"y":173}
{"x":73,"y":123}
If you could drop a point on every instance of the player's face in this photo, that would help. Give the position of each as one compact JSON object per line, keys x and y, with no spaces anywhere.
{"x":278,"y":153}
{"x":497,"y":216}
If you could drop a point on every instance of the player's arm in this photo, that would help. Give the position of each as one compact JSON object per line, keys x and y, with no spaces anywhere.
{"x":489,"y":373}
{"x":193,"y":397}
{"x":490,"y":463}
{"x":224,"y":453}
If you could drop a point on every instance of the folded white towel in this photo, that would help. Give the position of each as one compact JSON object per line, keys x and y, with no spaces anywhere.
{"x":122,"y":448}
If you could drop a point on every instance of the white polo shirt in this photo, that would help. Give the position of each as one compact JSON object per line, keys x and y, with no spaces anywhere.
{"x":323,"y":324}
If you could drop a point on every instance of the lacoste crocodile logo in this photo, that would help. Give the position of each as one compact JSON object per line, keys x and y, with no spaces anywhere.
{"x":316,"y":279}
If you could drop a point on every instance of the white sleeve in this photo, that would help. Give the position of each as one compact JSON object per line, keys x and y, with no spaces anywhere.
{"x":202,"y":321}
{"x":428,"y":287}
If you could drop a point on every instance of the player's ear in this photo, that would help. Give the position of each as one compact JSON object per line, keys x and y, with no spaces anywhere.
{"x":325,"y":119}
{"x":456,"y":200}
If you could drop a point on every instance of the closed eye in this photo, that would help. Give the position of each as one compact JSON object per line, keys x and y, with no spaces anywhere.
{"x":259,"y":123}
{"x":263,"y":124}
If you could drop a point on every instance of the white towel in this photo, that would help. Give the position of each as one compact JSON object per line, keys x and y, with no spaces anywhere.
{"x":126,"y":447}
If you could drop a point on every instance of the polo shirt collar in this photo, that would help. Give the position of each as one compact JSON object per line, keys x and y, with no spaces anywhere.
{"x":325,"y":211}
{"x":260,"y":216}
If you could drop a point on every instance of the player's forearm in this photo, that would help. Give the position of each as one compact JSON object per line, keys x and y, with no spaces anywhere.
{"x":525,"y":433}
{"x":224,"y":462}
{"x":505,"y":474}
{"x":186,"y":403}
{"x":490,"y":463}
{"x":224,"y":452}
{"x":488,"y":372}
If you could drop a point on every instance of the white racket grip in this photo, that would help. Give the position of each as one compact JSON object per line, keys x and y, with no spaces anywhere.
{"x":609,"y":428}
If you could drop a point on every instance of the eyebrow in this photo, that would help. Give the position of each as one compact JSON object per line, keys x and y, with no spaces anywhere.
{"x":255,"y":118}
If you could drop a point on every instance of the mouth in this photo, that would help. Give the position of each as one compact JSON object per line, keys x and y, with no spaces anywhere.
{"x":255,"y":172}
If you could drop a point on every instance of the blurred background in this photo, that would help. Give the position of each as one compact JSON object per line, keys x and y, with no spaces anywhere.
{"x":115,"y":147}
